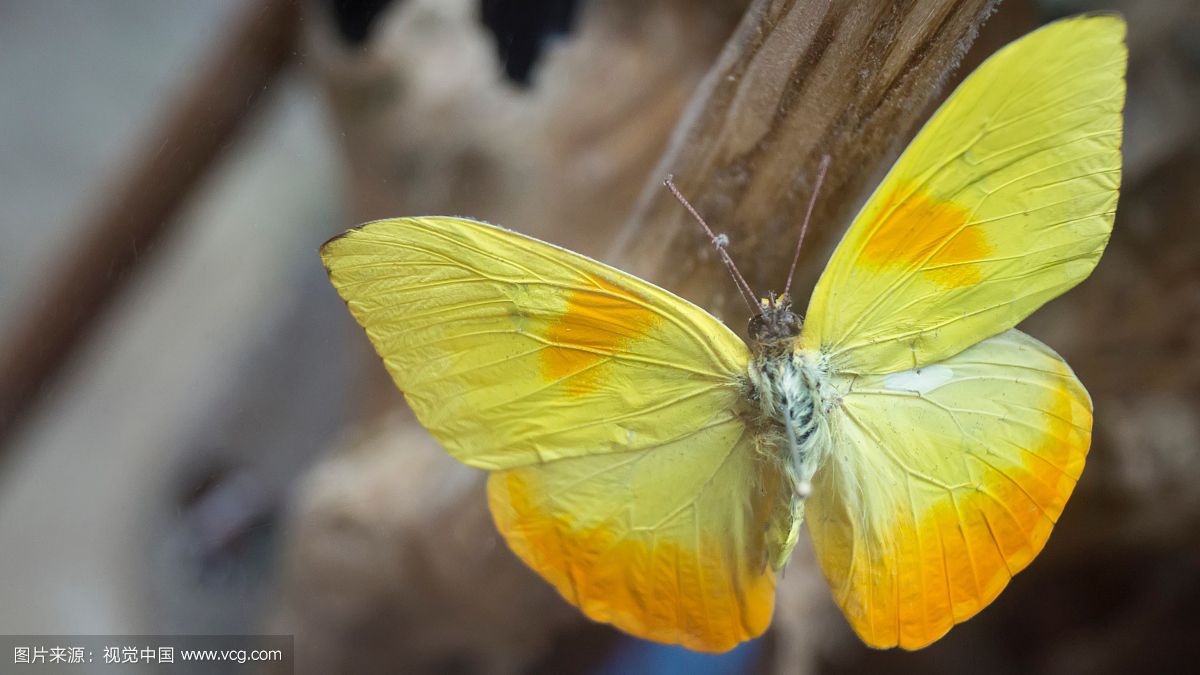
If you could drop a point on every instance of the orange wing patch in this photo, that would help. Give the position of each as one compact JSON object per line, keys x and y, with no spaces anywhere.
{"x":915,"y":229}
{"x":658,"y":587}
{"x":596,"y":324}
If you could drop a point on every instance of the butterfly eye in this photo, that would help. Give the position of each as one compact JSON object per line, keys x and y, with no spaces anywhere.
{"x":757,"y":330}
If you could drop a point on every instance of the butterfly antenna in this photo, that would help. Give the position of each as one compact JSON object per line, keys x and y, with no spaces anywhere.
{"x":787,"y":288}
{"x":720,"y":241}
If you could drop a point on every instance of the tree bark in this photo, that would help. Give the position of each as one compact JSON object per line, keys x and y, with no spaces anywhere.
{"x":798,"y":80}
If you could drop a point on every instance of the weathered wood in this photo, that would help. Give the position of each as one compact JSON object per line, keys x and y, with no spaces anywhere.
{"x":797,"y":80}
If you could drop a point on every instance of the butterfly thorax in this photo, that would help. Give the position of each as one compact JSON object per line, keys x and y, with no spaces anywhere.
{"x":791,"y":386}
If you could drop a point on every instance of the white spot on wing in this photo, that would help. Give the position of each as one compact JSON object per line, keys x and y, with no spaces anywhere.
{"x":920,"y":380}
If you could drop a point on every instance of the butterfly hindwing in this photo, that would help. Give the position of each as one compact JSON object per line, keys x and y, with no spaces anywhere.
{"x":667,"y":544}
{"x":944,"y":482}
{"x":1003,"y":201}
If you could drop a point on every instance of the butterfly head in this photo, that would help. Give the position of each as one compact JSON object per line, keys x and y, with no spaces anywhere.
{"x":775,"y":325}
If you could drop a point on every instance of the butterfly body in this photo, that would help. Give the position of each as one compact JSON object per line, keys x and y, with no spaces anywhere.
{"x":793,"y":390}
{"x":655,"y":468}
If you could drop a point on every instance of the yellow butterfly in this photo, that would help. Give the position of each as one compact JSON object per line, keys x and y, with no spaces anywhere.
{"x":655,"y":468}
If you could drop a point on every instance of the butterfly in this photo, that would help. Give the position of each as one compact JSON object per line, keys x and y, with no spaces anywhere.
{"x":655,"y":468}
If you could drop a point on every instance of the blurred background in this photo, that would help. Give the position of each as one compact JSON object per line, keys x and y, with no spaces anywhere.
{"x":196,"y":438}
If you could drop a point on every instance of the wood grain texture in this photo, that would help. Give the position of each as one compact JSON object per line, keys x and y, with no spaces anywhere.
{"x":797,"y":80}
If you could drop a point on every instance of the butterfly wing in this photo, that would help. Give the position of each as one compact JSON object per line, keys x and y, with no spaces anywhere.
{"x":666,"y":544}
{"x":607,"y":407}
{"x":512,"y":351}
{"x":943,"y":483}
{"x":1003,"y":201}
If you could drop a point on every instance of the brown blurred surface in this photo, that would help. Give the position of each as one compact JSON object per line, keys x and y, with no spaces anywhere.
{"x":138,"y":496}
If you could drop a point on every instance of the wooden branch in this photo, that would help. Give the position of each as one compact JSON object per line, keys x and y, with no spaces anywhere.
{"x":797,"y":80}
{"x":140,"y":207}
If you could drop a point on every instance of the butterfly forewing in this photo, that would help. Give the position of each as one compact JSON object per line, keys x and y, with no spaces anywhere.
{"x":1003,"y":201}
{"x":512,"y":351}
